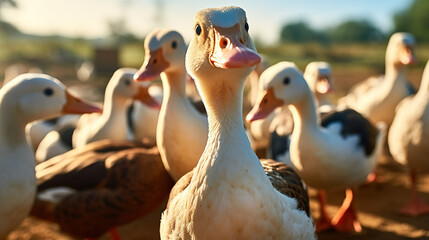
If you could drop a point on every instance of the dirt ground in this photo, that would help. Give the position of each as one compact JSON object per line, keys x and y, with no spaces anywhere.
{"x":377,"y":205}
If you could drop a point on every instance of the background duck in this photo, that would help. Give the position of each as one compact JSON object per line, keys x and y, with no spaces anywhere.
{"x":112,"y":123}
{"x":408,"y":141}
{"x":26,"y":98}
{"x":318,"y":75}
{"x":377,"y":98}
{"x":229,"y":187}
{"x":338,"y":155}
{"x":181,"y":129}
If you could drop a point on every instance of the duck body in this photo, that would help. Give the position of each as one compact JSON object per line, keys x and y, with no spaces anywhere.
{"x":228,"y":189}
{"x":106,"y":185}
{"x":341,"y":151}
{"x":17,"y":185}
{"x":27,"y":98}
{"x":410,"y":129}
{"x":408,"y":141}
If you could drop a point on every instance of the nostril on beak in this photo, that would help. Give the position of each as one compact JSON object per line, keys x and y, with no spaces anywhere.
{"x":224,"y":43}
{"x":154,"y":61}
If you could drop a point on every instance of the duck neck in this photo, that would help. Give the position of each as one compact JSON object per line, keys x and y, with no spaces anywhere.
{"x":11,"y":126}
{"x":114,"y":110}
{"x":227,"y":143}
{"x":174,"y":83}
{"x":395,"y":74}
{"x":305,"y":115}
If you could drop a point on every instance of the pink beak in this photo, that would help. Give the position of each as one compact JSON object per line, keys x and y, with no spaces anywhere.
{"x":230,"y":52}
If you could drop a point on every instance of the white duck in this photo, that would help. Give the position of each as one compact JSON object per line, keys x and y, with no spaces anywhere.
{"x":229,"y":189}
{"x":181,"y":130}
{"x":376,"y":98}
{"x":409,"y":141}
{"x":26,"y":98}
{"x":319,"y":78}
{"x":112,"y":123}
{"x":338,"y":155}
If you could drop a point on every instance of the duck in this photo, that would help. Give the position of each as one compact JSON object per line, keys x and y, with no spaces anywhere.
{"x":56,"y":142}
{"x":377,"y":97}
{"x":318,"y":75}
{"x":336,"y":153}
{"x":319,"y":78}
{"x":278,"y":123}
{"x":95,"y":189}
{"x":26,"y":98}
{"x":112,"y":123}
{"x":229,"y":189}
{"x":181,"y":130}
{"x":407,"y":141}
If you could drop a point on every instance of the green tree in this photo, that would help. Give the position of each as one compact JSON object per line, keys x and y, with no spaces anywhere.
{"x":356,"y":31}
{"x":300,"y":32}
{"x":414,"y":19}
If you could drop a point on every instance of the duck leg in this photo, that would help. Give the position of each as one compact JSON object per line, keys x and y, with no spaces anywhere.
{"x":346,"y":218}
{"x":324,"y":222}
{"x":415,"y":206}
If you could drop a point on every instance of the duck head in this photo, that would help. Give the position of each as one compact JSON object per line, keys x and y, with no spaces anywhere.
{"x":165,"y":52}
{"x":319,"y":78}
{"x":400,"y":49}
{"x":221,"y":49}
{"x":123,"y":87}
{"x":282,"y":83}
{"x":35,"y":96}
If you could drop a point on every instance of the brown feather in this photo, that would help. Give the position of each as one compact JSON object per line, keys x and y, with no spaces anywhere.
{"x":285,"y":180}
{"x":133,"y":182}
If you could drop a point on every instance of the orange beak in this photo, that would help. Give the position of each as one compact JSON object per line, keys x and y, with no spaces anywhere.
{"x":265,"y":105}
{"x":230,"y":52}
{"x":144,"y":97}
{"x":75,"y":105}
{"x":152,"y":67}
{"x":323,"y":85}
{"x":407,"y":56}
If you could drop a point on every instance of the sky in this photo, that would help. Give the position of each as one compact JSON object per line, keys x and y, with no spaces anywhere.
{"x":89,"y":18}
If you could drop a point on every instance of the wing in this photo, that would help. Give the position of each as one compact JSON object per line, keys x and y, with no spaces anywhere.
{"x":286,"y":181}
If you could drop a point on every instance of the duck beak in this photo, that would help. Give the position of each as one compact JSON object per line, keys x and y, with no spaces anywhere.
{"x":266,"y":104}
{"x":152,"y":67}
{"x":75,"y":105}
{"x":230,"y":52}
{"x":323,"y":85}
{"x":407,"y":56}
{"x":144,"y":97}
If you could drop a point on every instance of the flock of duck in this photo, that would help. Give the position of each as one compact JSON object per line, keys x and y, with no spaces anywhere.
{"x":91,"y":176}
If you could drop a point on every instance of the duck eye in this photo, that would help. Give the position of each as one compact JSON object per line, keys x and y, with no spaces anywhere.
{"x":246,"y":26}
{"x":48,"y":92}
{"x":174,"y":44}
{"x":127,"y":82}
{"x":198,"y":29}
{"x":286,"y":80}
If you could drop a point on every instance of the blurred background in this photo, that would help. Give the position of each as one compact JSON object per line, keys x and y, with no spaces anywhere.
{"x":88,"y":40}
